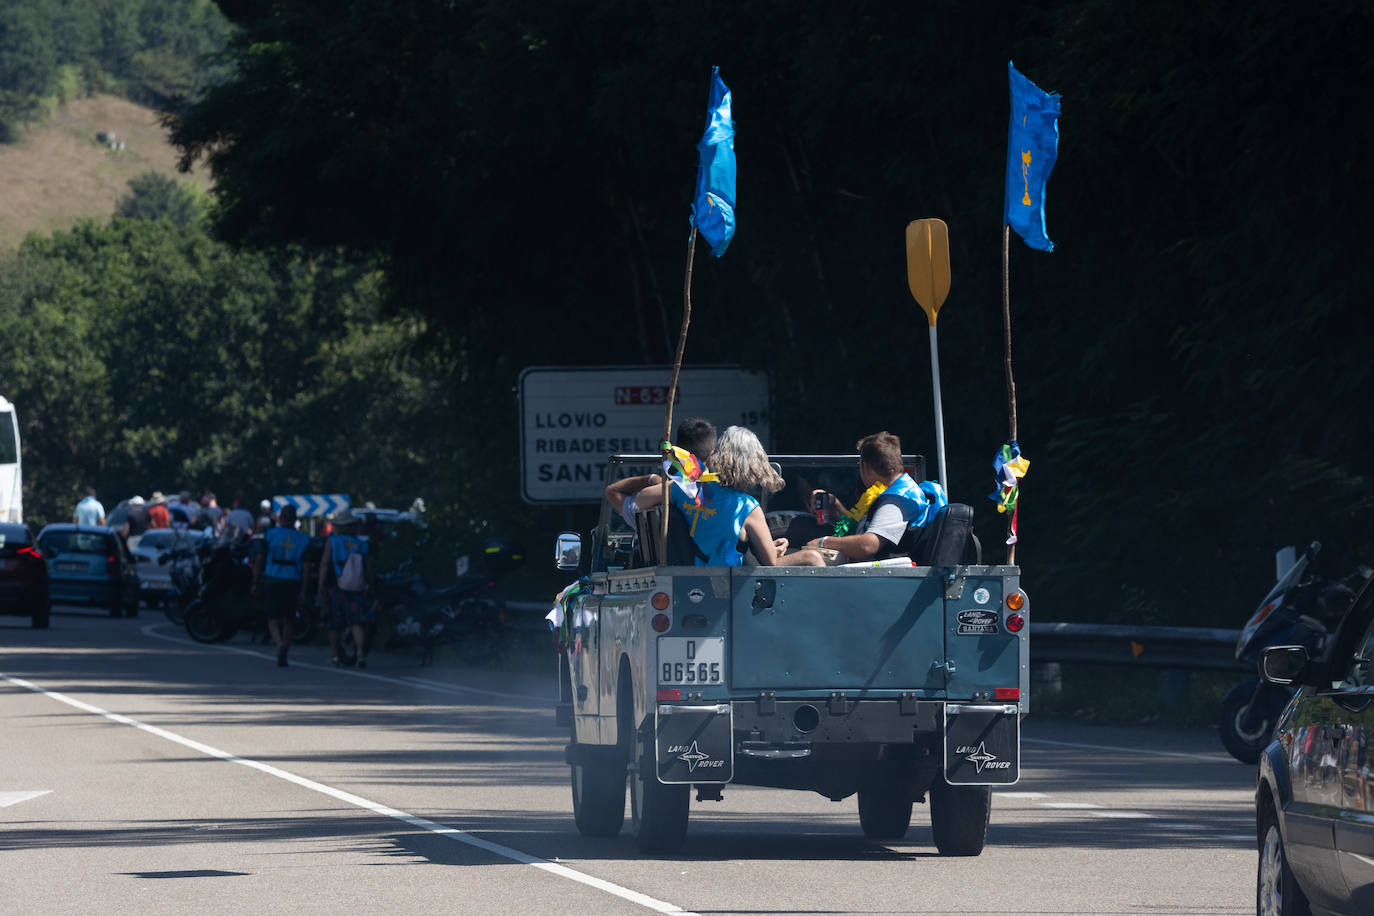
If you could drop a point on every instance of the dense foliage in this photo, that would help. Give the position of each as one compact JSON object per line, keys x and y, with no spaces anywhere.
{"x":148,"y":50}
{"x":1191,"y":359}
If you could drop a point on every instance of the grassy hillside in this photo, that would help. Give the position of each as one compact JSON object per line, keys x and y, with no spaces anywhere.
{"x":60,"y":173}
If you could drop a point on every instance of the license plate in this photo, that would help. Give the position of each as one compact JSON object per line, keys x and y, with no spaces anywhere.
{"x":691,"y":661}
{"x":74,"y":567}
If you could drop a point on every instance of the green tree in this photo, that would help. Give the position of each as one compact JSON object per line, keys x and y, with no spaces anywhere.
{"x":28,"y":63}
{"x":156,"y":196}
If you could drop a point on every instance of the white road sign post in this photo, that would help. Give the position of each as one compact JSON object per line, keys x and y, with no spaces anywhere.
{"x":573,"y":418}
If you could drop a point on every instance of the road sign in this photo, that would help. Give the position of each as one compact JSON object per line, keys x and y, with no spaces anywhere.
{"x":573,"y":418}
{"x":927,"y":264}
{"x":315,"y":505}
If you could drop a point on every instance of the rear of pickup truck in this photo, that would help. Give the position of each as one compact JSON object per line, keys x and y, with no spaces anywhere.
{"x":898,"y":684}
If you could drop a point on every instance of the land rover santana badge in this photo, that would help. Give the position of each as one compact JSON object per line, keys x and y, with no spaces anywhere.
{"x":977,"y":623}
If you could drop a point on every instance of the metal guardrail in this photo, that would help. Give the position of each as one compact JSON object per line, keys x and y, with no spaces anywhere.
{"x":1104,"y":644}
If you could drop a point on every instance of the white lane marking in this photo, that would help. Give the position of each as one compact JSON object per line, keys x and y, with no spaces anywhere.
{"x":451,"y":833}
{"x":14,"y":798}
{"x":1074,"y":805}
{"x":1019,"y":794}
{"x":1139,"y":815}
{"x":1209,"y":758}
{"x":438,"y":686}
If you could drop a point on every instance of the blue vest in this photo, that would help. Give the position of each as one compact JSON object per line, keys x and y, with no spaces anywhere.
{"x":341,"y":546}
{"x":919,"y":502}
{"x":285,"y":547}
{"x":715,"y":526}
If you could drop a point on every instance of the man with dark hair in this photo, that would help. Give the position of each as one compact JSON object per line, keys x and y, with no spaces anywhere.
{"x":891,"y":504}
{"x":277,"y":577}
{"x":695,"y":434}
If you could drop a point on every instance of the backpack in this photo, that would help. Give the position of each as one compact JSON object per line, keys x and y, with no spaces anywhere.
{"x":351,"y":579}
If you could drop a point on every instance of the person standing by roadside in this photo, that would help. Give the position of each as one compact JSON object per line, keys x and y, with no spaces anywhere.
{"x":277,"y":577}
{"x":181,"y":511}
{"x":239,"y":521}
{"x":136,"y":522}
{"x":211,"y":512}
{"x":157,"y":511}
{"x":348,"y":580}
{"x":89,"y":511}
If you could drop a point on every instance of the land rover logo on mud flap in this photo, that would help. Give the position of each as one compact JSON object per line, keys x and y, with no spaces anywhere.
{"x":696,"y":596}
{"x":977,"y":623}
{"x":980,"y":758}
{"x":695,"y":758}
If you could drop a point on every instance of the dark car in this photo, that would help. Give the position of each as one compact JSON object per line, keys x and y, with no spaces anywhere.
{"x":1314,"y":805}
{"x":89,"y":565}
{"x":23,"y":575}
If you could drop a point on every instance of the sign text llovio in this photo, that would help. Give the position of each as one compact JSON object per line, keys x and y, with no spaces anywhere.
{"x":572,"y":419}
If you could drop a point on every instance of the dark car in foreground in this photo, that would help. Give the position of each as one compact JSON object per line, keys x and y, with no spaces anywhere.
{"x":1314,"y":804}
{"x":23,"y":575}
{"x":89,"y":565}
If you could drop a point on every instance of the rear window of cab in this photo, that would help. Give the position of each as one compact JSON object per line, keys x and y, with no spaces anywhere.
{"x":78,"y":542}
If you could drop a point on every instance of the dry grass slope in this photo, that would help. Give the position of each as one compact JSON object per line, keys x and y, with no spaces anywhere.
{"x":60,"y":173}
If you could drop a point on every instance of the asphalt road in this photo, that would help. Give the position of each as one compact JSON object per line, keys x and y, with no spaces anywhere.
{"x":176,"y":777}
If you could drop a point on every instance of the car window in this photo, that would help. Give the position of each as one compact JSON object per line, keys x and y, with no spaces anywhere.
{"x":77,"y":542}
{"x":156,"y":540}
{"x":1358,"y":672}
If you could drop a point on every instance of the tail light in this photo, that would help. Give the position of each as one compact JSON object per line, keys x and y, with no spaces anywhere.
{"x":660,"y":601}
{"x":669,"y":694}
{"x":660,"y":623}
{"x":1015,"y":623}
{"x":31,"y":552}
{"x":1016,"y":600}
{"x":1007,"y":693}
{"x":111,"y":565}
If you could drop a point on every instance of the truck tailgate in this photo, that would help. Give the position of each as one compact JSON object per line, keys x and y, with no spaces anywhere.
{"x":800,"y":629}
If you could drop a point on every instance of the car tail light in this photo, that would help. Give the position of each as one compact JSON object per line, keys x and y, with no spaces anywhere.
{"x":660,"y":623}
{"x":1007,"y":693}
{"x":1016,"y":600}
{"x":111,"y":565}
{"x":1015,"y":622}
{"x":669,"y":694}
{"x":660,"y":601}
{"x":31,"y":552}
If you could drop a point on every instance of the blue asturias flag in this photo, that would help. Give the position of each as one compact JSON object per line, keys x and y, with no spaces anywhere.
{"x":1032,"y":147}
{"x":713,"y":208}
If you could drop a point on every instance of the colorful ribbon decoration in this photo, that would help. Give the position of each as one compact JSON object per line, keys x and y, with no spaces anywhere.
{"x":1009,"y":467}
{"x":683,"y":468}
{"x":561,"y":618}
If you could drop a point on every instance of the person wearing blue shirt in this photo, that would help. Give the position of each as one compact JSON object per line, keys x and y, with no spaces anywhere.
{"x":722,"y":519}
{"x":346,"y":607}
{"x":277,"y":577}
{"x":89,"y":511}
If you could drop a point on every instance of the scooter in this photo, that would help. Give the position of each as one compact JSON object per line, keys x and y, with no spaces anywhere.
{"x":225,"y":603}
{"x":1298,"y":611}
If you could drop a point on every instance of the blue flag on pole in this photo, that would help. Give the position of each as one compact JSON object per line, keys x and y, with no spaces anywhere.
{"x":1032,"y":147}
{"x":713,"y":208}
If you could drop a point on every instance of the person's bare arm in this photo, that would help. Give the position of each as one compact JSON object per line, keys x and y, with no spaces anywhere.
{"x":621,"y":490}
{"x":853,"y":546}
{"x":760,"y":538}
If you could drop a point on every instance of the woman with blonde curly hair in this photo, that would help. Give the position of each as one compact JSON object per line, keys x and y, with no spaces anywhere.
{"x":725,"y":519}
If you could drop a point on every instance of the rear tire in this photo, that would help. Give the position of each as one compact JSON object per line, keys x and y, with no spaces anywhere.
{"x":658,"y":812}
{"x":959,"y":817}
{"x":885,"y":810}
{"x":1242,"y":744}
{"x":598,"y":792}
{"x":201,"y":624}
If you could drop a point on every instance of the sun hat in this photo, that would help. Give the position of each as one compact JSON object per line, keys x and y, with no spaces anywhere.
{"x":158,"y":498}
{"x":136,"y":501}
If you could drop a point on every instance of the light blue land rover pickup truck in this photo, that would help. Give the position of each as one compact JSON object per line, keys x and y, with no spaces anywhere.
{"x":898,"y":683}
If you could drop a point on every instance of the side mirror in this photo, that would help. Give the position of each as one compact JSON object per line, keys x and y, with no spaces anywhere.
{"x":1283,"y":664}
{"x":567,"y":553}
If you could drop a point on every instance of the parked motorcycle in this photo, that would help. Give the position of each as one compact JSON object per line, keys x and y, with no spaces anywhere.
{"x":470,"y":615}
{"x":1298,"y":611}
{"x":225,"y":604}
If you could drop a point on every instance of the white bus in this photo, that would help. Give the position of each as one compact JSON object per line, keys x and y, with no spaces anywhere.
{"x":11,"y":474}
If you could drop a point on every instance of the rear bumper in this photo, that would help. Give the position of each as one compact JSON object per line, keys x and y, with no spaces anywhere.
{"x":83,"y":591}
{"x":837,"y":719}
{"x":17,"y":599}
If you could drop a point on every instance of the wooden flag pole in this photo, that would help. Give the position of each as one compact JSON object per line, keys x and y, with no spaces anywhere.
{"x":672,"y":386}
{"x":1006,"y":340}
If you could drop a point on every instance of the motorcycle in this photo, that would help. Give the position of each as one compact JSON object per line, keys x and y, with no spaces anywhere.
{"x":225,"y":604}
{"x":470,"y":615}
{"x":1299,"y":610}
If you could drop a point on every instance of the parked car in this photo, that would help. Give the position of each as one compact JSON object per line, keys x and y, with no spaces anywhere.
{"x":23,"y":575}
{"x":155,"y":573}
{"x":1314,"y":804}
{"x":90,"y":565}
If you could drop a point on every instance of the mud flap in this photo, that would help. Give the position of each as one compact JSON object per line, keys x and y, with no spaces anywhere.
{"x":982,"y":745}
{"x":695,"y":744}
